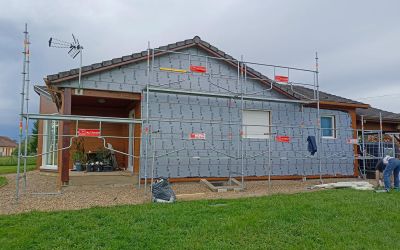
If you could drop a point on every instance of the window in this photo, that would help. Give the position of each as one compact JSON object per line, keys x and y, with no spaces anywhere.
{"x":50,"y":143}
{"x":328,"y":126}
{"x":256,"y":124}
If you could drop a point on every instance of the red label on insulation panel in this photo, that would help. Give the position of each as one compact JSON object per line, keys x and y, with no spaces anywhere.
{"x":283,"y":139}
{"x":88,"y":132}
{"x":198,"y":69}
{"x":197,"y":136}
{"x":282,"y":79}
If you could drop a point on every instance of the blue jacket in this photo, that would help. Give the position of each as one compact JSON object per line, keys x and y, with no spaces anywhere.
{"x":312,"y":145}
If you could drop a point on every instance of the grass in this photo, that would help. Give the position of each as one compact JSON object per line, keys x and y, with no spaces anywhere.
{"x":8,"y":165}
{"x":13,"y":169}
{"x":3,"y":181}
{"x":334,"y":219}
{"x":12,"y":161}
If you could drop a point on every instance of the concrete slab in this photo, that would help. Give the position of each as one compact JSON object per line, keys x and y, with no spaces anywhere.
{"x":102,"y":178}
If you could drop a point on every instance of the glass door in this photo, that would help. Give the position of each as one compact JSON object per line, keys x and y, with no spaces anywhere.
{"x":50,"y":144}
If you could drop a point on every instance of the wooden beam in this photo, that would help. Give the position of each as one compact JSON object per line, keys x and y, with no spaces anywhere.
{"x":257,"y":178}
{"x":353,"y":116}
{"x":109,"y":94}
{"x":338,"y":105}
{"x":64,"y":129}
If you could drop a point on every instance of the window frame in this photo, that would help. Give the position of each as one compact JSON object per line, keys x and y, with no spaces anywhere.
{"x":47,"y":137}
{"x":269,"y":124}
{"x":333,"y":129}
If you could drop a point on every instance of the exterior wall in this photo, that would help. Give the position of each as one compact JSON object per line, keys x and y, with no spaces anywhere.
{"x":202,"y":159}
{"x":6,"y":151}
{"x":47,"y":106}
{"x":218,"y":155}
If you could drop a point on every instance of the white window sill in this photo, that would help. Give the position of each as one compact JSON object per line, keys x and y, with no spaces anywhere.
{"x":48,"y":167}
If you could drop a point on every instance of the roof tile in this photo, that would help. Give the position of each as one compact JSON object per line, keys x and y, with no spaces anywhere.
{"x":64,"y":73}
{"x":86,"y":68}
{"x":106,"y":63}
{"x":188,"y":41}
{"x":116,"y":60}
{"x":136,"y":55}
{"x":126,"y":58}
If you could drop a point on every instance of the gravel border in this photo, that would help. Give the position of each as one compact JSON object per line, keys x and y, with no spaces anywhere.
{"x":79,"y":197}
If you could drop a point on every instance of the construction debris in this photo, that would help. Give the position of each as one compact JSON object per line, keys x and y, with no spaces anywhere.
{"x":358,"y":185}
{"x":231,"y":185}
{"x":162,"y":191}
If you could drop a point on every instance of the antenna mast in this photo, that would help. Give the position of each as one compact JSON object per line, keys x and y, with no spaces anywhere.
{"x":75,"y":49}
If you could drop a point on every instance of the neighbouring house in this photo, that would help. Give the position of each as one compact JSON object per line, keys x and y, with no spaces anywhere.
{"x":195,"y":125}
{"x":7,"y":146}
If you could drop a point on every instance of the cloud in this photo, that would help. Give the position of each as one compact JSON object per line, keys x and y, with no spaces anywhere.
{"x":357,"y":41}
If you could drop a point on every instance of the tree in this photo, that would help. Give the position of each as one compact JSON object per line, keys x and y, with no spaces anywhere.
{"x":33,"y":139}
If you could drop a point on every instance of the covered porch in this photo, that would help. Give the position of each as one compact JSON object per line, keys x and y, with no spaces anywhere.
{"x":108,"y":118}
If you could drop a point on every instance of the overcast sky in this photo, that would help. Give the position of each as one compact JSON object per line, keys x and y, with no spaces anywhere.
{"x":357,"y":41}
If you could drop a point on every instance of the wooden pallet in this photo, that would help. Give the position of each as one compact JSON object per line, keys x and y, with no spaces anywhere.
{"x":237,"y":186}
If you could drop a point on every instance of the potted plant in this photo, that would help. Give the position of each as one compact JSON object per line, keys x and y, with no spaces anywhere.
{"x":78,"y":155}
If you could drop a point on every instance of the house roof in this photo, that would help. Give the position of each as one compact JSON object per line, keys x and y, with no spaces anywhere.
{"x":298,"y":93}
{"x":307,"y":93}
{"x":7,"y":142}
{"x":374,"y":113}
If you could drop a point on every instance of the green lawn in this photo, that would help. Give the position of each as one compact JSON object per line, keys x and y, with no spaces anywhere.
{"x":8,"y":165}
{"x":13,"y":169}
{"x":334,"y":219}
{"x":3,"y":181}
{"x":12,"y":161}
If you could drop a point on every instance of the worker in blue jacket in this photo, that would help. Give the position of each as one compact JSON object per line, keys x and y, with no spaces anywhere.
{"x":392,"y":166}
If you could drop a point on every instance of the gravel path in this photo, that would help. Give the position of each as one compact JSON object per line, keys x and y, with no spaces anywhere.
{"x":78,"y":197}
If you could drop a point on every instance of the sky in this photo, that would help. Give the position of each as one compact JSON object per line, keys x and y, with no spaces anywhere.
{"x":357,"y":41}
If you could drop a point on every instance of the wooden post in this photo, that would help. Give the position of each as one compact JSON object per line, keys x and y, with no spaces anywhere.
{"x":64,"y":129}
{"x":353,"y":116}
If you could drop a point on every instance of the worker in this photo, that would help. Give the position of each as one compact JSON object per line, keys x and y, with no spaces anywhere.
{"x":379,"y":173}
{"x":392,"y":166}
{"x":379,"y":167}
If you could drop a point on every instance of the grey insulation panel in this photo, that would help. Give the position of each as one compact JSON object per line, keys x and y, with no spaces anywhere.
{"x":219,"y":155}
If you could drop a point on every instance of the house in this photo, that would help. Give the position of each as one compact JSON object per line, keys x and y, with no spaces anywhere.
{"x":194,"y":123}
{"x":7,"y":146}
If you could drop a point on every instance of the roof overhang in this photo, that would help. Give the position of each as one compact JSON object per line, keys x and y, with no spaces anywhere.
{"x":377,"y":119}
{"x":41,"y":92}
{"x":340,"y":105}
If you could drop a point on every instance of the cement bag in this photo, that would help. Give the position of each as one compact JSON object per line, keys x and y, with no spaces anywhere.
{"x":162,"y":191}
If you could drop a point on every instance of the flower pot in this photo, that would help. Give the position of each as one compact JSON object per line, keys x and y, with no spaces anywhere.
{"x":78,"y":166}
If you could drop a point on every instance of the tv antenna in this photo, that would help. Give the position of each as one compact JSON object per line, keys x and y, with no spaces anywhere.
{"x":74,"y":49}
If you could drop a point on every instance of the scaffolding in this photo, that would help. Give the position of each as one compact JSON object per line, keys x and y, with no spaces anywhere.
{"x":77,"y":119}
{"x":155,"y":135}
{"x":236,"y":90}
